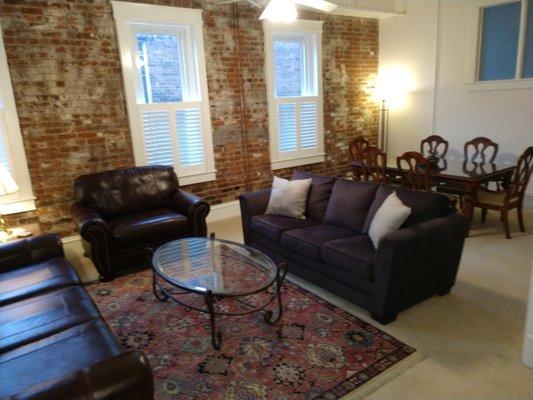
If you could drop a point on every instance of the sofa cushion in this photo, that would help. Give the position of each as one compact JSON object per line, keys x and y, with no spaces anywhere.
{"x":319,"y":195}
{"x":355,"y":254}
{"x":288,"y":198}
{"x":40,"y":316}
{"x":55,"y":356}
{"x":147,"y":226}
{"x":33,"y":279}
{"x":272,"y":226}
{"x":423,"y":205}
{"x":349,"y":204}
{"x":307,"y":241}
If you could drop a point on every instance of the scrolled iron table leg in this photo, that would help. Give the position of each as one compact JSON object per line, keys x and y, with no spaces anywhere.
{"x":216,"y":336}
{"x":280,"y":277}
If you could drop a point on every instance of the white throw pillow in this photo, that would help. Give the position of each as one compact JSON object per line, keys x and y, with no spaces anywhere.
{"x":389,"y":217}
{"x":289,"y":198}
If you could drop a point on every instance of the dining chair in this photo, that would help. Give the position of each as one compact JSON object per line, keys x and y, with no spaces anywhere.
{"x":416,"y":170}
{"x":356,"y":148}
{"x":374,"y":165}
{"x":510,"y":197}
{"x":435,"y":145}
{"x":481,"y":149}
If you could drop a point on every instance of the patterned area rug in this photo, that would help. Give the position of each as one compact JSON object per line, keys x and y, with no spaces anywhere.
{"x":316,"y":351}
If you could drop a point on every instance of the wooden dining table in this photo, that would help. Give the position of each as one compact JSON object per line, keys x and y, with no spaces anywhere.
{"x":466,"y":176}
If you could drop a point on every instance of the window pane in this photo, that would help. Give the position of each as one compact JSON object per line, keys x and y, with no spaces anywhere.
{"x":499,"y":42}
{"x":4,"y":157}
{"x":288,"y":59}
{"x":528,"y":55}
{"x":160,"y":57}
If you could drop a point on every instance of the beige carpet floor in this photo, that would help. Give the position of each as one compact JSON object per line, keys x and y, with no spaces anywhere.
{"x":471,"y":338}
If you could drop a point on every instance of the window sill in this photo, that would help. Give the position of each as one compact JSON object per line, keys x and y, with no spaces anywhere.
{"x":296,"y":162}
{"x":185,"y":180}
{"x":509,"y":84}
{"x":18,"y":206}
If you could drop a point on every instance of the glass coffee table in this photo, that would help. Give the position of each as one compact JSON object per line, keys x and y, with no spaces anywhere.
{"x":218,"y":277}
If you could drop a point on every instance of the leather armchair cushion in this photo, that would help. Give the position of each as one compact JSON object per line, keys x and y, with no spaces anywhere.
{"x":272,"y":226}
{"x":307,"y":241}
{"x":55,"y":356}
{"x":319,"y":194}
{"x":353,"y":254}
{"x":127,"y":191}
{"x":33,"y":279}
{"x":147,"y":227}
{"x":349,"y":204}
{"x":37,"y":317}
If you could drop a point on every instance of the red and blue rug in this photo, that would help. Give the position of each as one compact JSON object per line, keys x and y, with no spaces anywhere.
{"x":316,"y":351}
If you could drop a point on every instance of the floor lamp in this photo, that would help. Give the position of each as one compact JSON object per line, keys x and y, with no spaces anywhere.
{"x":383,"y":125}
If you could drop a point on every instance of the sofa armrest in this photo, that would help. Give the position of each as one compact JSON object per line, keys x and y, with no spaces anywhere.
{"x":125,"y":376}
{"x":194,"y":208}
{"x":29,"y":251}
{"x":252,"y":203}
{"x":417,"y":262}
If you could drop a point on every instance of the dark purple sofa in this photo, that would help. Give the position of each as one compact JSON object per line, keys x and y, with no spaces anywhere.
{"x":331,"y":247}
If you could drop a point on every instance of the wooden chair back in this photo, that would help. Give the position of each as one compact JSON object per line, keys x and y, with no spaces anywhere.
{"x":357,"y":147}
{"x":523,"y":172}
{"x":435,"y":145}
{"x":415,"y":170}
{"x":481,"y":149}
{"x":374,"y":165}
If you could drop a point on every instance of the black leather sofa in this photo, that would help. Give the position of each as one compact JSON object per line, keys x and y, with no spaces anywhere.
{"x":53,"y":342}
{"x":121,"y":213}
{"x":331,"y":247}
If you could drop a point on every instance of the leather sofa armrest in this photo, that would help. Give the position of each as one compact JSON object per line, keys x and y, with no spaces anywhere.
{"x":84,"y":217}
{"x":125,"y":376}
{"x":29,"y":251}
{"x":252,"y":203}
{"x":194,"y":208}
{"x":417,"y":262}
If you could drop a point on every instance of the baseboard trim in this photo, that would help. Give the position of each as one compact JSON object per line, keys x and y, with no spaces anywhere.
{"x":224,"y":211}
{"x":70,"y":239}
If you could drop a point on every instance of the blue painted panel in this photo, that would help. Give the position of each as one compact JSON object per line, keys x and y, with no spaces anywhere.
{"x":499,"y":41}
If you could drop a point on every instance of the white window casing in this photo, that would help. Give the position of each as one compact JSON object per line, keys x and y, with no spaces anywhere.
{"x":178,"y":132}
{"x":12,"y":153}
{"x":473,"y":82}
{"x":296,"y":123}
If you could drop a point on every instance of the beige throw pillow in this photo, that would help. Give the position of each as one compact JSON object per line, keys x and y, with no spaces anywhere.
{"x":289,"y":198}
{"x":389,"y":217}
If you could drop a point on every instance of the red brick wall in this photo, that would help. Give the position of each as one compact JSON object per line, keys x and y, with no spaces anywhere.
{"x":66,"y":75}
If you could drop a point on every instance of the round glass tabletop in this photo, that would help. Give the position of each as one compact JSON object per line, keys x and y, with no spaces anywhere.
{"x":222,"y":267}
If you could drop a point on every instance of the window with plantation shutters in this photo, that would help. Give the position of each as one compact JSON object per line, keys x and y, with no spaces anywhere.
{"x":166,"y":88}
{"x":294,"y":80}
{"x":12,"y":153}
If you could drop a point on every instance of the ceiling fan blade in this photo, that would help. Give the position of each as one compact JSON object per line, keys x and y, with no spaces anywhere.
{"x":321,"y":5}
{"x":228,"y":2}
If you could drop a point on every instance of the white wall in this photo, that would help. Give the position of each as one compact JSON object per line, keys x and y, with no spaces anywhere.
{"x":433,"y":43}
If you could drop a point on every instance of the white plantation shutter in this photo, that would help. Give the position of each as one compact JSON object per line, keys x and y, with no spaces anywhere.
{"x":163,"y":65}
{"x":309,"y":125}
{"x":157,"y":137}
{"x":287,"y":129}
{"x":294,"y":80}
{"x":190,"y":138}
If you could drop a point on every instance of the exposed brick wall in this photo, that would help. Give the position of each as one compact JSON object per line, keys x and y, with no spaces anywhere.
{"x":65,"y":68}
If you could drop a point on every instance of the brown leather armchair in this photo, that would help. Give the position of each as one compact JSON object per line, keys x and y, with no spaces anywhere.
{"x":120,"y":213}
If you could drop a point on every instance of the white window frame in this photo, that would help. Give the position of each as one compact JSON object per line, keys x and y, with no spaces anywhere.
{"x":187,"y":23}
{"x":473,"y":82}
{"x":306,"y":29}
{"x":23,"y":200}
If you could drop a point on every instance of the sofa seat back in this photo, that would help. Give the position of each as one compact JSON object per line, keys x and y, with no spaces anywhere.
{"x":127,"y":191}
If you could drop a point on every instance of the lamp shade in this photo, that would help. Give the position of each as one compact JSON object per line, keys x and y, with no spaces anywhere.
{"x":7,"y":183}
